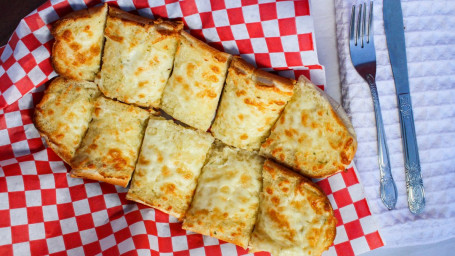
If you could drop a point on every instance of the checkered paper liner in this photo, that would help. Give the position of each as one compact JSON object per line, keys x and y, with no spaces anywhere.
{"x":44,"y":211}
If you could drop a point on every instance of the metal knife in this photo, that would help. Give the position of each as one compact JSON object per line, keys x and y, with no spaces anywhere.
{"x":394,"y":31}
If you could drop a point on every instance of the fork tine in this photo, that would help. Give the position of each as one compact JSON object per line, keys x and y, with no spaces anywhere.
{"x":359,"y":21}
{"x":352,"y":31}
{"x":364,"y":15}
{"x":370,"y":22}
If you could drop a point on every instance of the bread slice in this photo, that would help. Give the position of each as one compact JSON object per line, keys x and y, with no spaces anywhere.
{"x":138,"y":58}
{"x":110,"y":148}
{"x":63,"y":115}
{"x":313,"y":135}
{"x":227,"y":196}
{"x":251,"y":103}
{"x":295,"y":217}
{"x":76,"y":52}
{"x":168,"y":167}
{"x":194,"y":89}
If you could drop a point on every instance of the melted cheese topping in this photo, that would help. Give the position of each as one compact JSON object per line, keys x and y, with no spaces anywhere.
{"x":227,"y":196}
{"x":137,"y":61}
{"x":64,"y":113}
{"x":295,"y":217}
{"x":193,"y":91}
{"x":169,"y":165}
{"x":78,"y":42}
{"x":310,"y":136}
{"x":111,"y":145}
{"x":248,"y":109}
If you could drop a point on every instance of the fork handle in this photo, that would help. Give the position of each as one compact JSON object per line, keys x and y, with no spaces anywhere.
{"x":414,"y":184}
{"x":388,"y":189}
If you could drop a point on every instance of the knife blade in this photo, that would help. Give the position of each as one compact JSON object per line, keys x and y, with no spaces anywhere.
{"x":394,"y":31}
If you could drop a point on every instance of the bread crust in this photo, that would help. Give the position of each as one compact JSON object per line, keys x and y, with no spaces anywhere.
{"x":251,"y":103}
{"x":69,"y":57}
{"x":199,"y":43}
{"x":274,"y":80}
{"x":94,"y":175}
{"x":295,"y":216}
{"x":171,"y":26}
{"x":138,"y":199}
{"x":336,"y":107}
{"x":313,"y":135}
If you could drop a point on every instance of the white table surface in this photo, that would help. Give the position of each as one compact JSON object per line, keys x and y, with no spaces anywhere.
{"x":323,"y":12}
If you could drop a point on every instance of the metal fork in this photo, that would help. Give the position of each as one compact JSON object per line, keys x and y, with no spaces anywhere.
{"x":363,"y":57}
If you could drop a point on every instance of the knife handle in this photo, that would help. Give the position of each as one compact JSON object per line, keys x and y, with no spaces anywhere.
{"x":414,"y":184}
{"x":387,"y":189}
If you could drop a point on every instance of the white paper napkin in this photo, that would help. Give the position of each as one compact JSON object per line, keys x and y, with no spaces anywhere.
{"x":430,"y":48}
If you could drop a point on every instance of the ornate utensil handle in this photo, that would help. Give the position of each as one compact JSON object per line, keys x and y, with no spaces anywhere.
{"x":414,"y":184}
{"x":388,"y":189}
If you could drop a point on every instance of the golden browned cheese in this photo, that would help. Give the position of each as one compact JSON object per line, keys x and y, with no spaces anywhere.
{"x":313,"y":135}
{"x":295,"y":217}
{"x":251,"y":103}
{"x":194,"y":89}
{"x":63,"y":115}
{"x":76,"y":52}
{"x":138,"y":58}
{"x":169,"y":165}
{"x":110,"y":148}
{"x":226,"y":200}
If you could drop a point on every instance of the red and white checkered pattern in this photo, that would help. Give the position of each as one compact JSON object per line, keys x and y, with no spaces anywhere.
{"x":44,"y":211}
